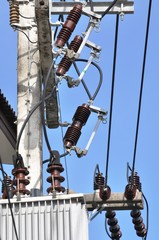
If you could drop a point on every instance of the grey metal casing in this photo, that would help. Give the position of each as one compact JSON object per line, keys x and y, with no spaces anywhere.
{"x":45,"y":218}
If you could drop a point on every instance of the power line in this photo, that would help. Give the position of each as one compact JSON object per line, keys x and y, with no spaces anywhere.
{"x":112,"y":97}
{"x":109,"y":8}
{"x":141,"y":85}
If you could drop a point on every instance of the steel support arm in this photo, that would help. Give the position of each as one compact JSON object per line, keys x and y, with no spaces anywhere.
{"x":117,"y":201}
{"x":125,"y":7}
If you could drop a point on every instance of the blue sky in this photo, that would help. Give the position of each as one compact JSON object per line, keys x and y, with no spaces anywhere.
{"x":126,"y":94}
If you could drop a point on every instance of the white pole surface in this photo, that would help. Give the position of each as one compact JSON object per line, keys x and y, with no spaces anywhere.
{"x":29,"y":92}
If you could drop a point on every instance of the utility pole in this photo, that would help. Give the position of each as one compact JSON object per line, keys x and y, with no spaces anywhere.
{"x":29,"y":95}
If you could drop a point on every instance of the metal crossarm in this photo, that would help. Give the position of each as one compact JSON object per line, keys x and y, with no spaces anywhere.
{"x":126,"y":7}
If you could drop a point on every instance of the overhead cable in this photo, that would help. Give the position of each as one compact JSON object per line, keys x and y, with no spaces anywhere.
{"x":141,"y":85}
{"x":112,"y":98}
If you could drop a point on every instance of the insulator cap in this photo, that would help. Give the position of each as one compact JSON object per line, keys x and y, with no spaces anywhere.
{"x":105,"y":193}
{"x":130,"y":191}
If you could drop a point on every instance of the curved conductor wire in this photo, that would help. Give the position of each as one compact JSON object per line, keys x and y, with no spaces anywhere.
{"x":100,"y":80}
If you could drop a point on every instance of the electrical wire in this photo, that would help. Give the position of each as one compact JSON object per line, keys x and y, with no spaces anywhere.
{"x":26,"y":17}
{"x":60,"y":18}
{"x":100,"y":79}
{"x":112,"y":98}
{"x":91,"y":4}
{"x":28,"y":117}
{"x":147,"y":218}
{"x":83,"y":82}
{"x":42,"y":107}
{"x":141,"y":85}
{"x":62,"y":134}
{"x":9,"y":202}
{"x":25,"y":35}
{"x":109,"y":8}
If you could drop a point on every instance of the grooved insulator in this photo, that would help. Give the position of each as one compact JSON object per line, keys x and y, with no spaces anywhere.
{"x":66,"y":61}
{"x":69,"y":25}
{"x":99,"y":181}
{"x":113,"y":225}
{"x":7,"y":183}
{"x":74,"y":131}
{"x":138,"y":223}
{"x":135,"y":180}
{"x":14,"y":13}
{"x":20,"y":180}
{"x":55,"y":179}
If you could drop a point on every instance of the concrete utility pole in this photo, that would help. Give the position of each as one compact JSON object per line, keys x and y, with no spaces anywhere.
{"x":29,"y":95}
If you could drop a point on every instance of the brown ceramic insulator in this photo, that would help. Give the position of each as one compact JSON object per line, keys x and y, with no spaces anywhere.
{"x":55,"y":179}
{"x":69,"y":25}
{"x":135,"y":181}
{"x":82,"y":114}
{"x":113,"y":223}
{"x":20,"y":180}
{"x":71,"y":137}
{"x":66,"y":62}
{"x":14,"y":13}
{"x":63,"y":66}
{"x":79,"y":120}
{"x":99,"y":181}
{"x":138,"y":223}
{"x":130,"y":191}
{"x":105,"y":193}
